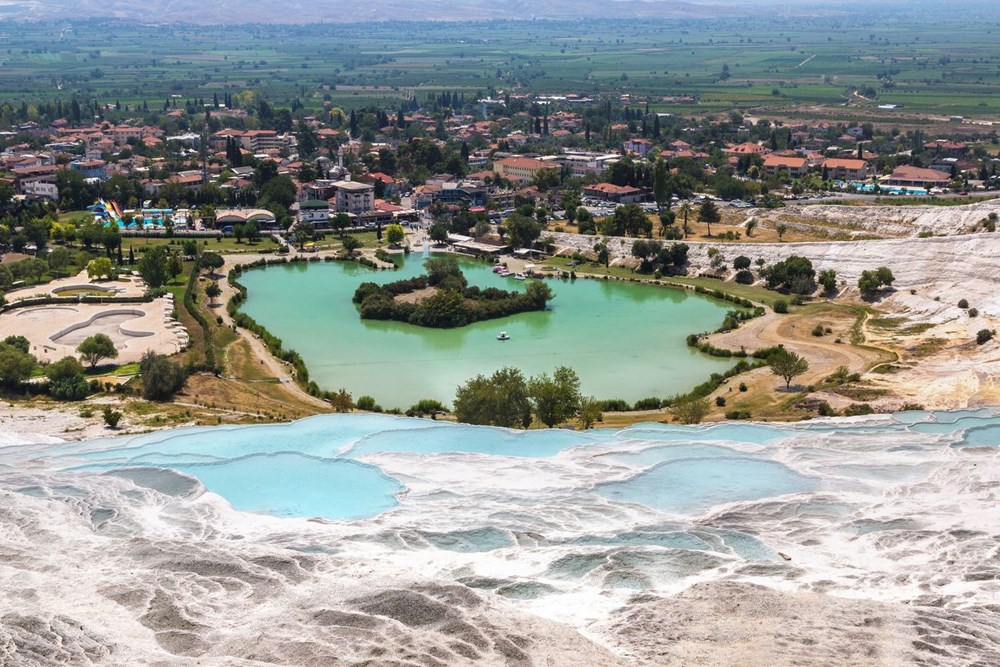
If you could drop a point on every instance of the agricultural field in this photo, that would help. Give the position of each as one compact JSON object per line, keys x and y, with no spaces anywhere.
{"x":932,"y":66}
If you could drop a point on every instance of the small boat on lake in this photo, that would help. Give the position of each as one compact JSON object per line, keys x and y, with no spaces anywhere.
{"x":503,"y":335}
{"x":520,"y":276}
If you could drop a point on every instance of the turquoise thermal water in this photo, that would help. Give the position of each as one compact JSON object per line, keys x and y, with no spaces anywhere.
{"x":347,"y":467}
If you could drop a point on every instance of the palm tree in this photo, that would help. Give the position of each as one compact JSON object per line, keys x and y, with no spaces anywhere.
{"x":686,"y":209}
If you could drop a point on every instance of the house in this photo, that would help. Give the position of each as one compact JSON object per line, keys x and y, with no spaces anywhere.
{"x":315,"y":211}
{"x":908,"y":176}
{"x":462,"y":194}
{"x":947,"y":148}
{"x":794,"y":167}
{"x":385,"y":185}
{"x":91,"y":168}
{"x":746,"y":148}
{"x":845,"y":170}
{"x":353,"y":197}
{"x":618,"y":194}
{"x":638,"y":146}
{"x":521,"y":169}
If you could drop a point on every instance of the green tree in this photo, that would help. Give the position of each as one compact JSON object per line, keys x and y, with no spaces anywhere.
{"x":6,"y":277}
{"x":555,"y":399}
{"x":152,"y":266}
{"x":871,"y":282}
{"x":787,"y":365}
{"x":351,"y":244}
{"x":102,"y":267}
{"x":781,"y":229}
{"x":213,"y":291}
{"x":538,"y":293}
{"x":828,"y":279}
{"x":340,"y":222}
{"x":522,"y":230}
{"x":499,"y":400}
{"x":252,"y":230}
{"x":686,"y":211}
{"x":65,"y":368}
{"x":661,"y":183}
{"x":66,"y":380}
{"x":20,"y":342}
{"x":590,"y":412}
{"x":95,"y":348}
{"x":111,"y":417}
{"x":16,"y":365}
{"x":394,"y":234}
{"x":631,"y":220}
{"x":750,"y":226}
{"x":58,"y":260}
{"x":438,"y":232}
{"x":708,"y":213}
{"x":211,"y":261}
{"x":161,"y":378}
{"x":692,"y":410}
{"x":175,"y":265}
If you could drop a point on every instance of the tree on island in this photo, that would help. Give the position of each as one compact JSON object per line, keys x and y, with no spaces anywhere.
{"x":96,"y":348}
{"x":451,"y":302}
{"x":787,"y":365}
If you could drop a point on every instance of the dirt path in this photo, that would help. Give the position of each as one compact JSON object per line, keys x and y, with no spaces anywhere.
{"x":794,"y":331}
{"x":275,"y":366}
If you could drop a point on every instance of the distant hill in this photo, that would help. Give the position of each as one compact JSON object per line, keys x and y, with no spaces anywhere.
{"x":305,"y":11}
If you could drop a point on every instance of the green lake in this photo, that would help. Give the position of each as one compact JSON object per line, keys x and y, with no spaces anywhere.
{"x":624,"y":340}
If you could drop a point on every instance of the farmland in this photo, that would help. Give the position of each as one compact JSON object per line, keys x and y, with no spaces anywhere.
{"x":847,"y":66}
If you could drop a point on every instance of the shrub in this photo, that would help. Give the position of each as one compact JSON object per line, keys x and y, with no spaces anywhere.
{"x":651,"y":403}
{"x":781,"y":306}
{"x":818,"y":330}
{"x":911,"y":407}
{"x":983,"y":336}
{"x":963,"y":303}
{"x":615,"y":405}
{"x":367,"y":403}
{"x":691,"y":410}
{"x":825,"y":410}
{"x":738,"y":414}
{"x":426,"y":406}
{"x":856,"y":409}
{"x":743,"y":386}
{"x":161,"y":379}
{"x":720,"y":401}
{"x":744,"y":277}
{"x":111,"y":417}
{"x":973,"y":312}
